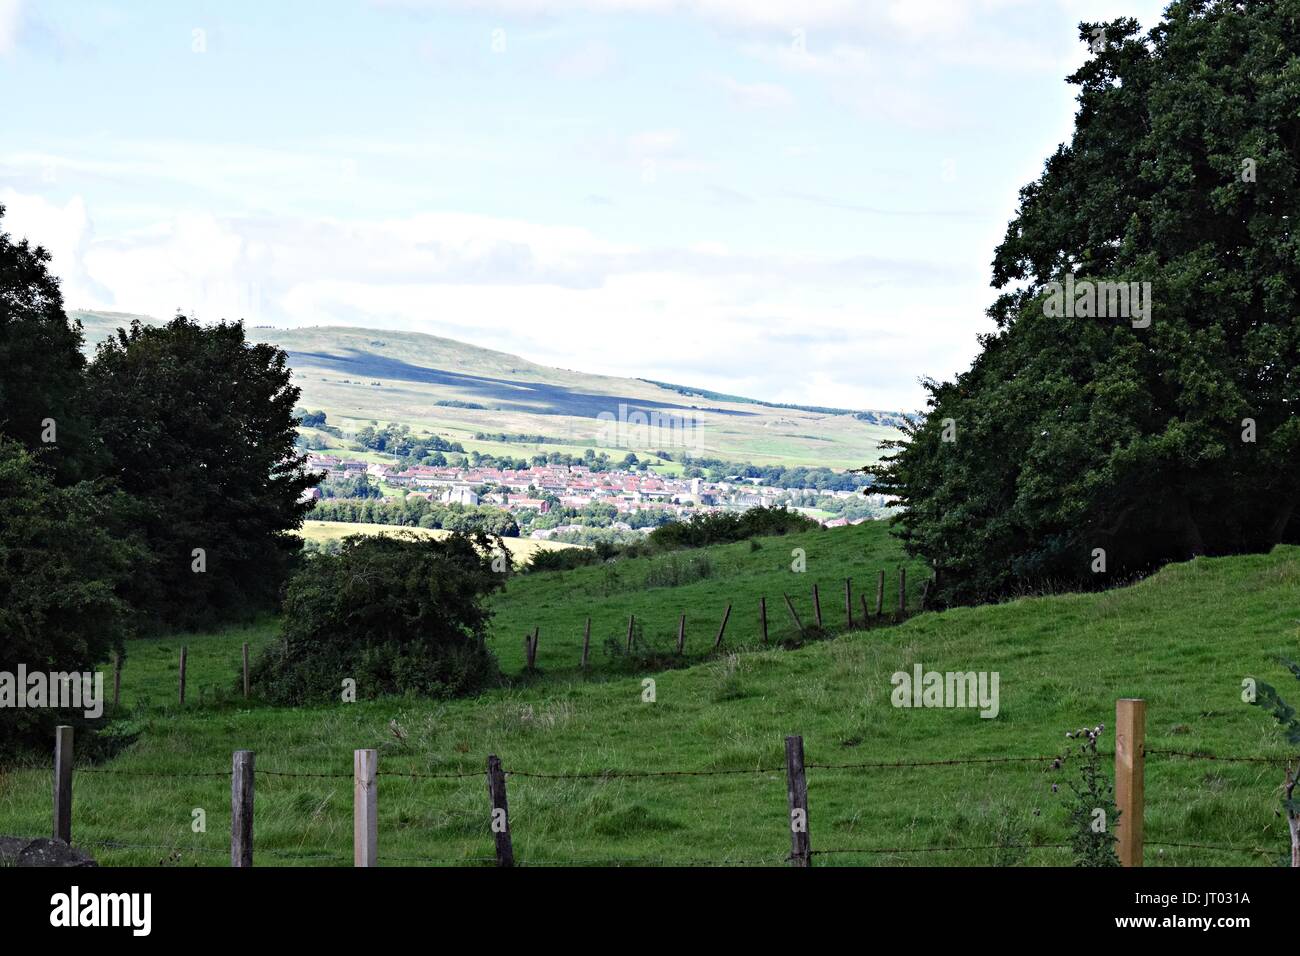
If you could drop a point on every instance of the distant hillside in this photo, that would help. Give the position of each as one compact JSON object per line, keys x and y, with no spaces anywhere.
{"x":458,"y":390}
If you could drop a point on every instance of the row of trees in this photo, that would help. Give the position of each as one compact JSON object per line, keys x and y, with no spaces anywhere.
{"x":150,"y":487}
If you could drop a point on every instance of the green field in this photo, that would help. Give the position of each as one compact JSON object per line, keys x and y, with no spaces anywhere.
{"x":362,"y":375}
{"x":1183,"y":640}
{"x":521,"y":549}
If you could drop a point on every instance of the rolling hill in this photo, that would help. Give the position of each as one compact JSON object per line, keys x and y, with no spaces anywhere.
{"x":457,"y":390}
{"x":1182,"y":639}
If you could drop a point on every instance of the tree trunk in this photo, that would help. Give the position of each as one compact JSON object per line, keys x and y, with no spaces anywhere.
{"x":1278,"y":528}
{"x":1192,"y":539}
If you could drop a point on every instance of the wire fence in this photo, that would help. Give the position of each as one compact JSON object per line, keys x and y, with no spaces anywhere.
{"x":604,"y":774}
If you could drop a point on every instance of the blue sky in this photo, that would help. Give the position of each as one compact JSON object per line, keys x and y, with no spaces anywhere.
{"x":792,"y":200}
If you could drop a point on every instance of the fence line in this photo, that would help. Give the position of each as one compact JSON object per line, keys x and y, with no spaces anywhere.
{"x":1130,"y":753}
{"x":530,"y":642}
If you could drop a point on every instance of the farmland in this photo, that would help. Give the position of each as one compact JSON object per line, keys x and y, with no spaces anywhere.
{"x":1183,"y":639}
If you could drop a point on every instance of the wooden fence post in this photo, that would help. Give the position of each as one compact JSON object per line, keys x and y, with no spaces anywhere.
{"x":726,"y":616}
{"x":63,"y":783}
{"x":681,"y":633}
{"x":762,"y":616}
{"x":902,"y":593}
{"x":796,"y":787}
{"x":117,"y":679}
{"x":241,"y":809}
{"x":184,"y":654}
{"x":817,"y":607}
{"x":530,"y":649}
{"x":586,"y":643}
{"x":790,"y":605}
{"x":880,"y":593}
{"x":848,"y":602}
{"x":365,"y":808}
{"x":496,"y":780}
{"x":1130,"y":785}
{"x":631,"y":622}
{"x":245,"y":670}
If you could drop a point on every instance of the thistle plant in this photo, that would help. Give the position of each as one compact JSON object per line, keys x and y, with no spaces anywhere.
{"x":1090,"y":803}
{"x":1268,"y":698}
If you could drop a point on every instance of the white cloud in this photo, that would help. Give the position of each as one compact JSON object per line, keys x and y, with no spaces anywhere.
{"x":560,"y":295}
{"x":761,"y":96}
{"x":10,"y":17}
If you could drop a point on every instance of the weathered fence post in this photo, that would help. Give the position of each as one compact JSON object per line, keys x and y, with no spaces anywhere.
{"x":631,"y":622}
{"x":365,"y":808}
{"x":790,"y":605}
{"x":63,"y":783}
{"x":762,"y":616}
{"x":245,"y":670}
{"x":496,"y":780}
{"x":902,"y":593}
{"x":681,"y":633}
{"x":726,"y":616}
{"x":241,"y":809}
{"x":817,"y":607}
{"x":530,"y":648}
{"x":880,"y":593}
{"x":586,"y":643}
{"x":184,"y":654}
{"x":117,"y":679}
{"x":848,"y":602}
{"x":796,"y":787}
{"x":1130,"y":785}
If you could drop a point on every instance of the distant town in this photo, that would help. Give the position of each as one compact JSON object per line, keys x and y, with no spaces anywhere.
{"x":574,"y":489}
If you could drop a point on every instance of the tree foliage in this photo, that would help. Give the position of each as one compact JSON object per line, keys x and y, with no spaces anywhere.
{"x":198,"y":427}
{"x":40,"y":360}
{"x":61,"y":561}
{"x":1074,"y":439}
{"x":397,"y":614}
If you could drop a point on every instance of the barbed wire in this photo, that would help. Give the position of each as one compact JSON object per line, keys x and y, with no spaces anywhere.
{"x":927,"y":763}
{"x":585,"y":775}
{"x":154,"y":773}
{"x":1224,"y":758}
{"x":940,"y":849}
{"x":1209,"y":846}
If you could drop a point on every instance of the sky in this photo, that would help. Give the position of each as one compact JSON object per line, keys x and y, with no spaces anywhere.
{"x":793,"y":200}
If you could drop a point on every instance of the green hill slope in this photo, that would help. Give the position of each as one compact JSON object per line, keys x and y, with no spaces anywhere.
{"x":1183,"y":640}
{"x":359,"y":375}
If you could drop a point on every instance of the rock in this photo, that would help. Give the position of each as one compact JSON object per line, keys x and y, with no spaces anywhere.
{"x":21,"y":851}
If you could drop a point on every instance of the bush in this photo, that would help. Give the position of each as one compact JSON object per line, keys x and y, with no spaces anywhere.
{"x":721,"y":527}
{"x":396,"y":614}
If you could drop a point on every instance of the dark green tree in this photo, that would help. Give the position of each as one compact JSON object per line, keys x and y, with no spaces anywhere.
{"x":198,"y":427}
{"x":41,"y":362}
{"x":401,"y":614}
{"x":1077,"y":450}
{"x":61,"y":567}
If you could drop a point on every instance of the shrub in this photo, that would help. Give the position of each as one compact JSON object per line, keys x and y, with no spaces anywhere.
{"x":398,"y":615}
{"x":720,"y":527}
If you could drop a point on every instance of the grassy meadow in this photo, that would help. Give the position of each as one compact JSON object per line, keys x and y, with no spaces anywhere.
{"x":1183,"y":640}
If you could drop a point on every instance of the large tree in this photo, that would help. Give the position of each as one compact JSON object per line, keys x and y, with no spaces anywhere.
{"x":41,"y":362}
{"x":199,"y":429}
{"x":1077,"y":443}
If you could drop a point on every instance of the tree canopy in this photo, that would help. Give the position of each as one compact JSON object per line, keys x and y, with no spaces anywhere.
{"x":1079,"y":447}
